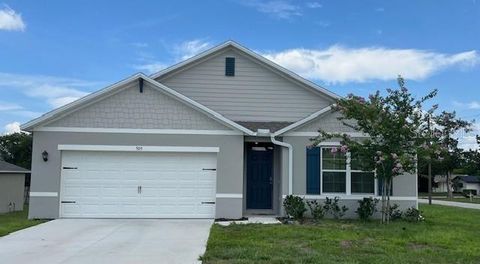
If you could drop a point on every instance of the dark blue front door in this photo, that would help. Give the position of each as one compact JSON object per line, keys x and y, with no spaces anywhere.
{"x":259,"y":176}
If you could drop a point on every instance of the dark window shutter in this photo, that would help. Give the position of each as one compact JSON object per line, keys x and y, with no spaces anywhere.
{"x":313,"y":170}
{"x":229,"y":66}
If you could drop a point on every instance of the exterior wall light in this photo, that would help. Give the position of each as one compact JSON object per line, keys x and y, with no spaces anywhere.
{"x":45,"y":155}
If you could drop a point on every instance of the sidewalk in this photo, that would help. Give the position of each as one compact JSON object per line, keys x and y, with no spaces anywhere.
{"x":448,"y":203}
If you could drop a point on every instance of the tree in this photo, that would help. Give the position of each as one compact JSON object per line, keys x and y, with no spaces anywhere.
{"x":392,"y":123}
{"x":17,"y":149}
{"x":449,"y":154}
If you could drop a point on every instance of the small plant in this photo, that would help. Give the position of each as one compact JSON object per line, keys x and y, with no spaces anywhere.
{"x":395,"y":213}
{"x":331,"y":206}
{"x":412,"y":214}
{"x":367,"y":207}
{"x":294,"y":207}
{"x":316,"y":209}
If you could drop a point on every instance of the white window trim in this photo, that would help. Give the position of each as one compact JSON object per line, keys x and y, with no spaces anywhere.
{"x":348,"y":174}
{"x":137,"y":148}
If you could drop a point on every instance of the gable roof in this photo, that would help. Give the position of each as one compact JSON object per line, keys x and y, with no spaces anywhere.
{"x":253,"y":55}
{"x":66,"y":109}
{"x":469,"y":179}
{"x":6,"y":167}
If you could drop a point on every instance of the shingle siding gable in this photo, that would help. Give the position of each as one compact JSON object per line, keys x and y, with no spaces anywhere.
{"x":131,"y":109}
{"x":255,"y":93}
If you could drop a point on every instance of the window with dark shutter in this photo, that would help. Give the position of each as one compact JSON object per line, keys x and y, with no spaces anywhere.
{"x":313,"y":170}
{"x":229,"y":66}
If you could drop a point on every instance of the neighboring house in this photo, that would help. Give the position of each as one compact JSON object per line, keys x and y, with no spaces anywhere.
{"x":467,"y":184}
{"x":12,"y":187}
{"x":440,"y":183}
{"x":223,"y":134}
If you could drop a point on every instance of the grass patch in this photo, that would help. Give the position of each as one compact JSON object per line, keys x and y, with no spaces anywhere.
{"x":459,"y":200}
{"x":448,"y":235}
{"x":11,"y":222}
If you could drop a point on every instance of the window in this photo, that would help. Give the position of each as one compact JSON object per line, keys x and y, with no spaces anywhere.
{"x":229,"y":66}
{"x":361,"y":181}
{"x":331,"y":171}
{"x":334,"y":170}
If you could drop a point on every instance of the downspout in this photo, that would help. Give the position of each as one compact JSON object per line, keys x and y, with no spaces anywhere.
{"x":290,"y":161}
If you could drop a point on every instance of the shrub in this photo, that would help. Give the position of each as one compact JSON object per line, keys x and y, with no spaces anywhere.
{"x":331,"y":206}
{"x":395,"y":213}
{"x":367,"y":207}
{"x":294,"y":207}
{"x":413,"y":215}
{"x":316,"y":209}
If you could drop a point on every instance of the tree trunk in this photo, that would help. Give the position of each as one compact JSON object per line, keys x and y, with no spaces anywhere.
{"x":384,"y":184}
{"x":429,"y":182}
{"x":389,"y":188}
{"x":449,"y":187}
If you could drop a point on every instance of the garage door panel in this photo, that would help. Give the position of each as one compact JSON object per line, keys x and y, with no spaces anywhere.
{"x":106,"y":184}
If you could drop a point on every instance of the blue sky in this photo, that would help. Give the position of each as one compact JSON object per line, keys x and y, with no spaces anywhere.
{"x":54,"y":52}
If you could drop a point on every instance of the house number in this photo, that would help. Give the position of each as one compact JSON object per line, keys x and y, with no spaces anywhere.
{"x":139,"y":148}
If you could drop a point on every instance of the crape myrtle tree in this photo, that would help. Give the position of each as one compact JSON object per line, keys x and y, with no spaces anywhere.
{"x":449,"y":155}
{"x":392,"y":122}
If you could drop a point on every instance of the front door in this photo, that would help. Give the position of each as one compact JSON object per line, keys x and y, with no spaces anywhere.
{"x":259,"y":176}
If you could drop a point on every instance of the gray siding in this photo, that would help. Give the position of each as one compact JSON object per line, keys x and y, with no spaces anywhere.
{"x":131,"y":109}
{"x":46,"y":175}
{"x":328,"y":122}
{"x":255,"y":93}
{"x":12,"y":187}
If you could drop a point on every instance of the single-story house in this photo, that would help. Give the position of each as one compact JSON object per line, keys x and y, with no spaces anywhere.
{"x":224,"y":134}
{"x":467,"y":183}
{"x":12,"y":187}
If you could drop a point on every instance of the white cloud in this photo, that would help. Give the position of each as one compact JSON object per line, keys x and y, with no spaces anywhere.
{"x":12,"y":128}
{"x":338,"y":64}
{"x":9,"y":106}
{"x":474,"y":105}
{"x":191,"y":48}
{"x":314,"y":5}
{"x":380,"y":9}
{"x":277,"y":8}
{"x":56,"y":91}
{"x":468,"y":140}
{"x":179,"y":52}
{"x":11,"y":20}
{"x":150,"y":67}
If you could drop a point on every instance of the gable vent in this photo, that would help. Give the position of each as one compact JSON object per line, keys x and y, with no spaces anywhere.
{"x":229,"y":66}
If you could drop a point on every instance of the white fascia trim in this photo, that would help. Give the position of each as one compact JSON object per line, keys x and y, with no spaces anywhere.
{"x":29,"y":125}
{"x":138,"y":148}
{"x":197,"y":105}
{"x":303,"y":121}
{"x":355,"y":197}
{"x":43,"y":194}
{"x":139,"y":131}
{"x":314,"y":134}
{"x":230,"y":195}
{"x":270,"y":63}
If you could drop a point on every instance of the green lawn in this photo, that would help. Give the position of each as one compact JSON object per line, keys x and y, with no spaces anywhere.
{"x":448,"y":235}
{"x":12,"y":222}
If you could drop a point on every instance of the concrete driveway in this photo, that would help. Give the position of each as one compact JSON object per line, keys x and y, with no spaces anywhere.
{"x":107,"y":241}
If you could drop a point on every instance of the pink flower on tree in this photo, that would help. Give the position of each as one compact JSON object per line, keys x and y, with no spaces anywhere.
{"x":344,"y":148}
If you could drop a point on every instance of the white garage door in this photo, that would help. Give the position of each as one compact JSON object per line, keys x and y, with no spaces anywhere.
{"x":138,"y":184}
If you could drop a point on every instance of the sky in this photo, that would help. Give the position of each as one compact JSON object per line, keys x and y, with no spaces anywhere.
{"x":53,"y":52}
